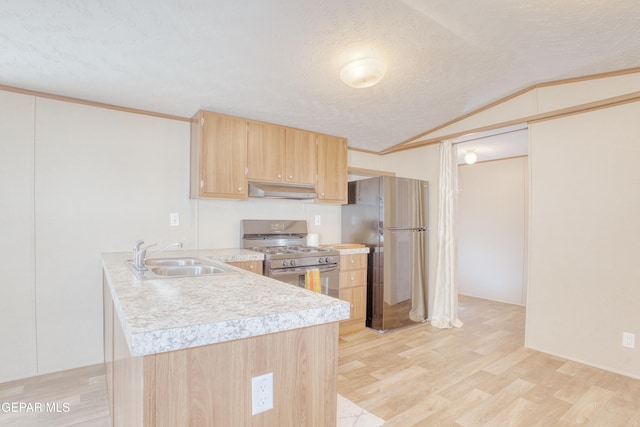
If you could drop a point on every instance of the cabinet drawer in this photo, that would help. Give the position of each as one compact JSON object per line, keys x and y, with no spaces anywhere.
{"x":357,"y":298}
{"x":349,"y":279}
{"x":253,"y":266}
{"x":353,"y":261}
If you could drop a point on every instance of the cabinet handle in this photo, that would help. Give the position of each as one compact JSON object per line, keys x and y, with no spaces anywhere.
{"x":201,"y":183}
{"x":290,"y":176}
{"x":251,"y":267}
{"x":279,"y":176}
{"x":239,"y":188}
{"x":352,"y":261}
{"x":352,"y":278}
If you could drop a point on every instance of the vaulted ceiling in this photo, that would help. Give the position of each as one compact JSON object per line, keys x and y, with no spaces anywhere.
{"x":279,"y":60}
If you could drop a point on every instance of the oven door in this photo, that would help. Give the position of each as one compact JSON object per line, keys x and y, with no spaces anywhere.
{"x":329,"y":277}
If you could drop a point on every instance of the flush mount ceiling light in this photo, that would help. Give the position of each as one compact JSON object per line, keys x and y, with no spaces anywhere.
{"x":470,"y":158}
{"x":364,"y":72}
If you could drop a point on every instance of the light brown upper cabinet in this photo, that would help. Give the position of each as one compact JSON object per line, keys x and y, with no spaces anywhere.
{"x":301,"y":164}
{"x":228,"y":151}
{"x":218,"y":156}
{"x":265,"y":152}
{"x":332,"y":169}
{"x":281,"y":155}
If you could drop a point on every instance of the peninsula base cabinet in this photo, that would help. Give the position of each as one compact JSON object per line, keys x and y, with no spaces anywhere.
{"x":211,"y":385}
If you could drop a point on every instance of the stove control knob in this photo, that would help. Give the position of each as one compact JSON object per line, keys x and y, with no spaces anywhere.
{"x":320,"y":260}
{"x":326,"y":260}
{"x":285,"y":263}
{"x":292,"y":262}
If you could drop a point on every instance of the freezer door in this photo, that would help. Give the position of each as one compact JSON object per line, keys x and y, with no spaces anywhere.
{"x":405,"y":203}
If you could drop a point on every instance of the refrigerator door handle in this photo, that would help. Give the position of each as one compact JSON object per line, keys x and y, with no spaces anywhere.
{"x":405,"y":229}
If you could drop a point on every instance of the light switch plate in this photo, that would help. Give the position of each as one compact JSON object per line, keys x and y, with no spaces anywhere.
{"x":318,"y":220}
{"x":174,"y":219}
{"x":628,"y":340}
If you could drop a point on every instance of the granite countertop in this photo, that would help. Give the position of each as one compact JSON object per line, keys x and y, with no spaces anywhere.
{"x":159,"y":315}
{"x":349,"y":248}
{"x":352,"y":251}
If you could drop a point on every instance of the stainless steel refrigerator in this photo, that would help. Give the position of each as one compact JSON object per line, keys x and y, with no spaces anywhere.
{"x":390,"y":216}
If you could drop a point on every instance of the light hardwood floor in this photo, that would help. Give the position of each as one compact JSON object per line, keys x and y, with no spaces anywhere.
{"x":479,"y":375}
{"x":83,"y":390}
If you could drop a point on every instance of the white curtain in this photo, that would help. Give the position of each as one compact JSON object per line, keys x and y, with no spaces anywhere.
{"x":445,"y":304}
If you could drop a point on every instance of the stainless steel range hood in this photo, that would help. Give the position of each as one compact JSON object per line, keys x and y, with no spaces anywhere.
{"x":281,"y":191}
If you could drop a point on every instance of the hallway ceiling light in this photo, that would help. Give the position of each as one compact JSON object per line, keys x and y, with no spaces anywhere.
{"x":364,"y":72}
{"x":470,"y":158}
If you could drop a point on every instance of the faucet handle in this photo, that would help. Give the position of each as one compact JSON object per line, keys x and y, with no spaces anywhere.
{"x":136,"y":245}
{"x":139,"y":255}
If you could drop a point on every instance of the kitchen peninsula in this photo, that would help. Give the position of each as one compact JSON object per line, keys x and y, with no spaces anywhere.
{"x":183,"y":351}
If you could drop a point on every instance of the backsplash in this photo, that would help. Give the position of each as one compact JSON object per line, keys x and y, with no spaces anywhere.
{"x":218,"y":221}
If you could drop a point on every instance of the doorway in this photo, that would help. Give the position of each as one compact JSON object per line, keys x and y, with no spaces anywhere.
{"x":493,"y":217}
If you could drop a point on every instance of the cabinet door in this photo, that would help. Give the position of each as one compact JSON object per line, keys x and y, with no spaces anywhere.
{"x":301,"y":157}
{"x":357,"y":298}
{"x":332,"y":169}
{"x":359,"y":303}
{"x":351,"y":278}
{"x":108,"y":339}
{"x":353,"y":262}
{"x":252,"y":266}
{"x":223,"y":157}
{"x":265,"y":152}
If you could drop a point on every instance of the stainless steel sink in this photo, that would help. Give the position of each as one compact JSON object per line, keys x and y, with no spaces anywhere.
{"x":187,"y":270}
{"x":172,"y":261}
{"x":157,"y":268}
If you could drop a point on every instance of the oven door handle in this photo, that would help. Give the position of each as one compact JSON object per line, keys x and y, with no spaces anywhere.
{"x":302,"y":270}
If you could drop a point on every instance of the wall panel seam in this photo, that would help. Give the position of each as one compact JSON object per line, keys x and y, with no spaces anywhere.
{"x":34,"y":236}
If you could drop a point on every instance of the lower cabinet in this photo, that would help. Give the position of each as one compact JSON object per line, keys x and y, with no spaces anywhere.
{"x":353,"y":289}
{"x":252,"y":266}
{"x":108,"y":340}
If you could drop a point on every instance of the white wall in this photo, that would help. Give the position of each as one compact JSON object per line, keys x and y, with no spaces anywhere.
{"x":17,"y":283}
{"x":219,"y":220}
{"x":584,"y":281}
{"x":104,"y":178}
{"x":541,"y":100}
{"x":78,"y":181}
{"x":364,"y":160}
{"x":492,"y":224}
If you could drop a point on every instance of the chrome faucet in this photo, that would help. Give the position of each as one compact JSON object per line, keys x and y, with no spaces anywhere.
{"x":140,"y":253}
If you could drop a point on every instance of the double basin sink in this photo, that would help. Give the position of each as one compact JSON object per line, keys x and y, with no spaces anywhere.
{"x":157,"y":268}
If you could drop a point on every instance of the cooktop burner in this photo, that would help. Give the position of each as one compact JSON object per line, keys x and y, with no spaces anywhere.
{"x":290,"y":250}
{"x":283,"y":240}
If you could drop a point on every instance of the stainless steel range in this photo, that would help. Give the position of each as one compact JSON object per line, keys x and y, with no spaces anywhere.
{"x":286,"y":256}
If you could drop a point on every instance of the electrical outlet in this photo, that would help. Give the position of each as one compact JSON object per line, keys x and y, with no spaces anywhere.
{"x":261,"y":393}
{"x":318,"y":220}
{"x":174,"y":219}
{"x":628,"y":340}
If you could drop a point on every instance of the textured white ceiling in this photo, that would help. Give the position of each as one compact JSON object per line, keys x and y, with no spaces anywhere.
{"x":278,"y":60}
